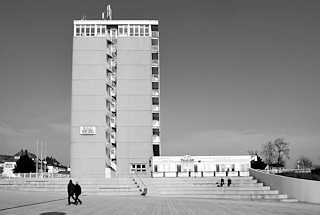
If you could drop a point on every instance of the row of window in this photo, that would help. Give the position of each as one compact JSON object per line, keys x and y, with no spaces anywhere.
{"x":134,"y":30}
{"x":138,"y":167}
{"x":94,"y":30}
{"x":122,"y":30}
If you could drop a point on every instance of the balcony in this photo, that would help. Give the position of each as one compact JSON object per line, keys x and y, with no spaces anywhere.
{"x":155,"y":77}
{"x":155,"y":123}
{"x":113,"y":77}
{"x":113,"y":63}
{"x":109,"y":52}
{"x":113,"y":108}
{"x":112,"y":122}
{"x":154,"y":48}
{"x":155,"y":108}
{"x":155,"y":92}
{"x":113,"y":153}
{"x":109,"y":66}
{"x":113,"y":92}
{"x":155,"y":34}
{"x":155,"y":139}
{"x":155,"y":62}
{"x":113,"y":165}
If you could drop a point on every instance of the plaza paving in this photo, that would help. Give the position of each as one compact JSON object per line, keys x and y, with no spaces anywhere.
{"x":39,"y":203}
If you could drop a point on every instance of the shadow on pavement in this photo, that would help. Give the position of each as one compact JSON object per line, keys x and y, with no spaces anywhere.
{"x":53,"y":213}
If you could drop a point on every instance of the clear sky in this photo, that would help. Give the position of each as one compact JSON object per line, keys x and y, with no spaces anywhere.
{"x":234,"y":74}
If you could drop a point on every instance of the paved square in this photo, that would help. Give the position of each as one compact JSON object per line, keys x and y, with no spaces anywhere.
{"x":34,"y":203}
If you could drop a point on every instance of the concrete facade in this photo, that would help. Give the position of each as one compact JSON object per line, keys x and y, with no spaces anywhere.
{"x":134,"y":107}
{"x":115,"y":116}
{"x":88,"y":155}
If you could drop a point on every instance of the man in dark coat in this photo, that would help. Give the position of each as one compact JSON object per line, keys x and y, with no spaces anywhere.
{"x":77,"y":192}
{"x":70,"y":191}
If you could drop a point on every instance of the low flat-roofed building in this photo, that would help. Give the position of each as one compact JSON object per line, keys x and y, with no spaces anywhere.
{"x":200,"y":166}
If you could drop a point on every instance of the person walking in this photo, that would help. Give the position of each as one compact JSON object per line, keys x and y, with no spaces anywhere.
{"x":229,"y":182}
{"x":70,"y":191}
{"x":77,"y":192}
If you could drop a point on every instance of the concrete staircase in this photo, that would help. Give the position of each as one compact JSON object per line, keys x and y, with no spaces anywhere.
{"x":113,"y":186}
{"x":206,"y":187}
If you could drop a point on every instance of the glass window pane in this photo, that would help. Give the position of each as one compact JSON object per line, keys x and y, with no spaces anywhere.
{"x":141,"y":30}
{"x":136,"y":30}
{"x":125,"y":30}
{"x":146,"y":28}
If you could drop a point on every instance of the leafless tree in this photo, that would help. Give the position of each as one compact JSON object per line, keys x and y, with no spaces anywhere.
{"x":282,"y":151}
{"x":268,"y":153}
{"x":304,"y":163}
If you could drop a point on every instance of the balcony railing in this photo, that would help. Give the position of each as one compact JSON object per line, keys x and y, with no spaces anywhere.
{"x":112,"y":121}
{"x":155,"y":108}
{"x":155,"y":123}
{"x":155,"y":77}
{"x":155,"y":48}
{"x":113,"y":92}
{"x":155,"y":33}
{"x":155,"y":139}
{"x":155,"y":62}
{"x":109,"y":66}
{"x":109,"y":52}
{"x":155,"y":92}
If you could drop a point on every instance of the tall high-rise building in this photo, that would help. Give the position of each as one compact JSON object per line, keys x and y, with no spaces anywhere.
{"x":115,"y":120}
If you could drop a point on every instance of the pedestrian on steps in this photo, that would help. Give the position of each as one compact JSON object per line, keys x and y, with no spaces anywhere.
{"x":70,"y":189}
{"x":77,"y":192}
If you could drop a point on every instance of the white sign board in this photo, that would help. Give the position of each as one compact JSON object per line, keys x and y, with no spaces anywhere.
{"x":88,"y":130}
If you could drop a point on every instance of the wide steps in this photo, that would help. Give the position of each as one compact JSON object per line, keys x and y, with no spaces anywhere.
{"x":232,"y":196}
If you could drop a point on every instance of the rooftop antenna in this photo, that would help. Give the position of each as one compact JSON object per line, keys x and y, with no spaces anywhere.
{"x":108,"y":14}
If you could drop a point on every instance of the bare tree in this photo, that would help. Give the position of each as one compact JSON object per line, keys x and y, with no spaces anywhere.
{"x":282,"y":151}
{"x":304,"y":163}
{"x":268,"y":153}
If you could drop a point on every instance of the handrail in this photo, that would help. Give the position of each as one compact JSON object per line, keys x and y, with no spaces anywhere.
{"x":140,"y":184}
{"x":197,"y":173}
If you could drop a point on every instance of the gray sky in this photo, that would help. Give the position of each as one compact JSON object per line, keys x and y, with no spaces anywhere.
{"x":234,"y":74}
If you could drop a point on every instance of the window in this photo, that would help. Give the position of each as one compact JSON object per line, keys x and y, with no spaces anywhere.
{"x":155,"y":56}
{"x":92,"y":30}
{"x":155,"y":116}
{"x":108,"y":136}
{"x":146,"y":30}
{"x":195,"y":168}
{"x":120,"y":30}
{"x":125,"y":30}
{"x":155,"y":85}
{"x":156,"y":150}
{"x":155,"y":101}
{"x":82,"y":31}
{"x":108,"y":120}
{"x":138,"y":167}
{"x":154,"y":42}
{"x":131,"y":30}
{"x":78,"y":31}
{"x":141,"y":30}
{"x":87,"y":30}
{"x":108,"y":105}
{"x":154,"y":28}
{"x":155,"y":70}
{"x":155,"y":168}
{"x":136,"y":30}
{"x":156,"y":131}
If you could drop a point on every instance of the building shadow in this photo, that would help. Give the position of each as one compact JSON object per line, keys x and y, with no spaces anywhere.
{"x":53,"y":213}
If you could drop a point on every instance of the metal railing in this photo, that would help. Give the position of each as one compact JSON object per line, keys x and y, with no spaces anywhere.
{"x":36,"y":175}
{"x":163,"y":174}
{"x":140,"y":184}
